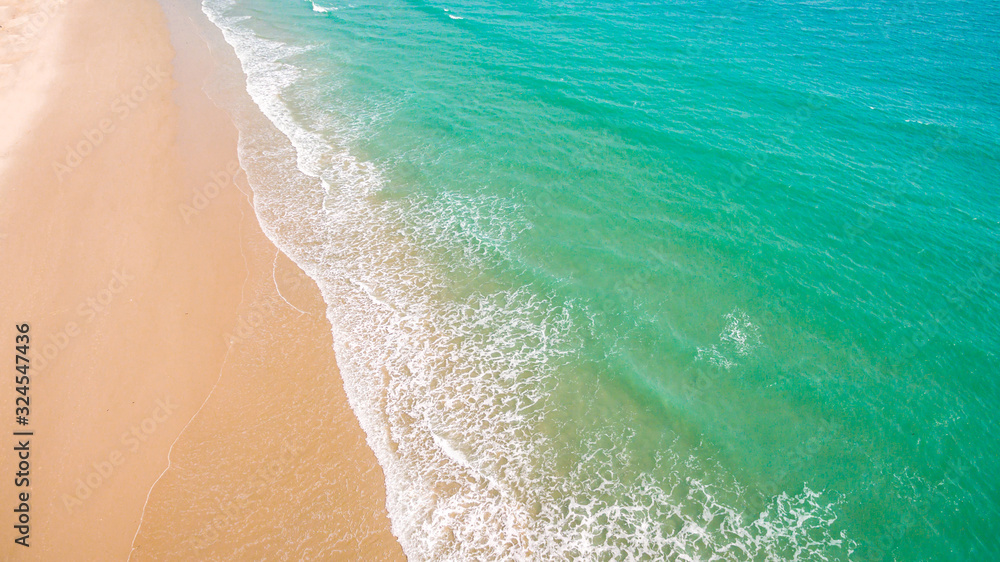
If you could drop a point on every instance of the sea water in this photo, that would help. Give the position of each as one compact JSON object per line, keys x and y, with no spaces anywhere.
{"x":616,"y":280}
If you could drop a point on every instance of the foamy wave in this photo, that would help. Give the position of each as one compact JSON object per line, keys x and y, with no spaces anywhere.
{"x":323,"y":9}
{"x":739,"y":337}
{"x":454,"y":375}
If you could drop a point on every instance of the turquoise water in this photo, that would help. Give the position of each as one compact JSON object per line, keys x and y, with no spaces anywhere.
{"x":646,"y":280}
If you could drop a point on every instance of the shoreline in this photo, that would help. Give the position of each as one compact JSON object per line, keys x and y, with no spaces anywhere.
{"x":192,"y":406}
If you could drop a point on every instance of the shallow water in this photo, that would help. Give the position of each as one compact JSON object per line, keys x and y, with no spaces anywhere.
{"x":620,"y":280}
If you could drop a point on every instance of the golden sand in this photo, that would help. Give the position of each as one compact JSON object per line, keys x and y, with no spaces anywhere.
{"x":185,"y":400}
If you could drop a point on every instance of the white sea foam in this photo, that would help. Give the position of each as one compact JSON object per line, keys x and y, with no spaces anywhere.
{"x":738,"y":338}
{"x":452,"y":385}
{"x":321,"y":9}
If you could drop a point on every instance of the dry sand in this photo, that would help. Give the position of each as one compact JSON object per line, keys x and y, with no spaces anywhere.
{"x":185,"y":400}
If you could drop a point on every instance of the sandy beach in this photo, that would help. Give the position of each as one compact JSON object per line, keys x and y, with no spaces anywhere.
{"x":184,"y":397}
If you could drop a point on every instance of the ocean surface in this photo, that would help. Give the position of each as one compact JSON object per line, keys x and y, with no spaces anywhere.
{"x":617,"y":280}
